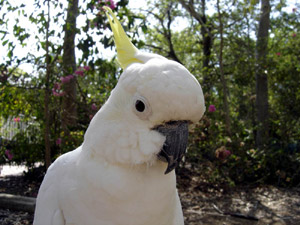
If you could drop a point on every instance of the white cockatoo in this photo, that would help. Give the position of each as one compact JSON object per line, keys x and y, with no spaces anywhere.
{"x":123,"y":173}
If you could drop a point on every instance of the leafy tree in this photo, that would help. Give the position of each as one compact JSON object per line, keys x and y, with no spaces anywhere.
{"x":198,"y":11}
{"x":261,"y":76}
{"x":54,"y":77}
{"x":217,"y":43}
{"x":69,"y":113}
{"x":233,"y":27}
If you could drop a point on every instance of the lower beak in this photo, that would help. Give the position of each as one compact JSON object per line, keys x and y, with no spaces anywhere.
{"x":174,"y":148}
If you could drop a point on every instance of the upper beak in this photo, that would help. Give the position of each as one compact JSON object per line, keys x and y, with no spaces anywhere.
{"x":174,"y":148}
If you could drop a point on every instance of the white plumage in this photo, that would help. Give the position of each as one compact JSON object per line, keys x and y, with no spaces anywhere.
{"x":115,"y":177}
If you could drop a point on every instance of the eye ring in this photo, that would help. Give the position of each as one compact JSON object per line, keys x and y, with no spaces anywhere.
{"x":141,"y":107}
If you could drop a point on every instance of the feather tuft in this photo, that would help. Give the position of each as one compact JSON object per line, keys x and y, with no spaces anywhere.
{"x":126,"y":51}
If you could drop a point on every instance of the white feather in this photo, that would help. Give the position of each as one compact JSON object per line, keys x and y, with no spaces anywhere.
{"x":114,"y":178}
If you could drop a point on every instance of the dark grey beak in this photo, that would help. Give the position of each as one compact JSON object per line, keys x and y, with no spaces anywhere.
{"x":174,"y":148}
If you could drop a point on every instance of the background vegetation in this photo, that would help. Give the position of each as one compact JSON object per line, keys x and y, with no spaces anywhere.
{"x":245,"y":54}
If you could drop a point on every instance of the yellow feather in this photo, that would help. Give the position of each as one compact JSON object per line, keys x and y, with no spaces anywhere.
{"x":125,"y":49}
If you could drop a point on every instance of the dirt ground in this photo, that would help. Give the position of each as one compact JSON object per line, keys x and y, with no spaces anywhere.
{"x":206,"y":203}
{"x":259,"y":205}
{"x":201,"y":203}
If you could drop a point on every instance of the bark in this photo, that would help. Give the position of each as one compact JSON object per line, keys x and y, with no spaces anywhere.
{"x":166,"y":32}
{"x":206,"y":38}
{"x":47,"y":97}
{"x":223,"y":78}
{"x":262,"y":113}
{"x":69,"y":115}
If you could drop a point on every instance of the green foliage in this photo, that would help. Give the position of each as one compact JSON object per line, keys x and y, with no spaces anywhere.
{"x":22,"y":94}
{"x":279,"y":163}
{"x":28,"y":148}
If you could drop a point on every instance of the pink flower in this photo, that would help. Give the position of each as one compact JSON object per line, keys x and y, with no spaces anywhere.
{"x":17,"y":119}
{"x":278,"y":53}
{"x":57,"y":94}
{"x":66,"y":79}
{"x":58,"y":141}
{"x":56,"y":90}
{"x":227,"y":153}
{"x":9,"y":155}
{"x":91,"y":117}
{"x":222,"y":153}
{"x":112,"y":4}
{"x":79,"y":72}
{"x":294,"y":35}
{"x":212,"y":108}
{"x":109,"y":3}
{"x":56,"y":86}
{"x":94,"y":107}
{"x":86,"y":68}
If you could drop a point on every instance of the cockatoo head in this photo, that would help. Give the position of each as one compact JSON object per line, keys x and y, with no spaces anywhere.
{"x":146,"y":116}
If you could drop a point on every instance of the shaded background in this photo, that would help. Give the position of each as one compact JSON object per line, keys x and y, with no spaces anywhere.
{"x":58,"y":67}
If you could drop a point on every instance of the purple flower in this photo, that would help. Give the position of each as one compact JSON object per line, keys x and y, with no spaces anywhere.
{"x":112,"y":4}
{"x":91,"y":116}
{"x":109,"y":3}
{"x":57,"y":94}
{"x":222,"y":153}
{"x":67,"y":78}
{"x":56,"y":86}
{"x":94,"y":107}
{"x":58,"y":141}
{"x":79,"y":72}
{"x":86,"y":68}
{"x":212,"y":108}
{"x":56,"y":90}
{"x":294,"y":35}
{"x":227,"y":153}
{"x":8,"y":154}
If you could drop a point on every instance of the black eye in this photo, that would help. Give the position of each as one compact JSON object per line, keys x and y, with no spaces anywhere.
{"x":140,"y":106}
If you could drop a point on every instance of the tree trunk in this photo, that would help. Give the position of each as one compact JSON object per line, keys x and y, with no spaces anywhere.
{"x":47,"y":97}
{"x":206,"y":37}
{"x":206,"y":40}
{"x":262,"y":114}
{"x":69,"y":115}
{"x":168,"y":34}
{"x":223,"y":79}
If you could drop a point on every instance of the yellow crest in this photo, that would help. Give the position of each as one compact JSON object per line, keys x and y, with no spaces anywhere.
{"x":126,"y":51}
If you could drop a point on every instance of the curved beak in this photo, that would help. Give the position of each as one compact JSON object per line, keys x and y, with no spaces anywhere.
{"x":174,"y":148}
